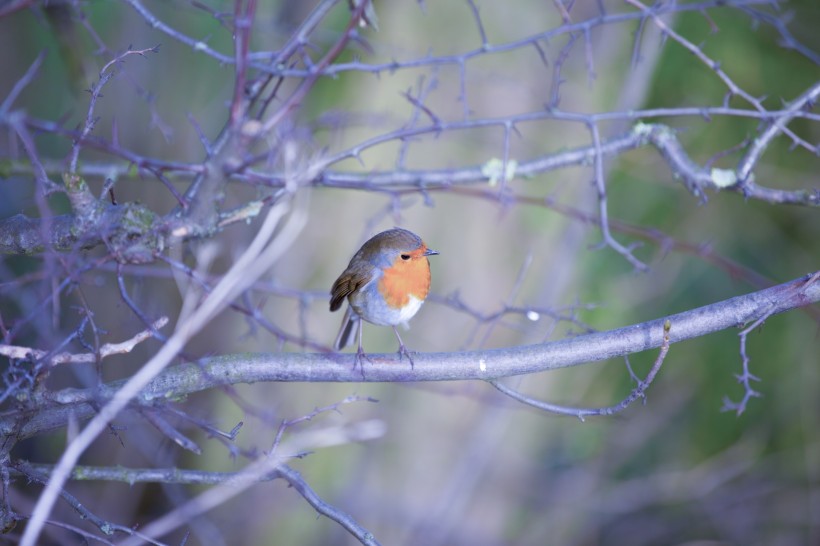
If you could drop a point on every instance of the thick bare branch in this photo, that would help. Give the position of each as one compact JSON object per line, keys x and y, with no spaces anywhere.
{"x":471,"y":365}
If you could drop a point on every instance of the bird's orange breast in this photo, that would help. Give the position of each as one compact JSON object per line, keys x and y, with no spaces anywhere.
{"x":405,"y":279}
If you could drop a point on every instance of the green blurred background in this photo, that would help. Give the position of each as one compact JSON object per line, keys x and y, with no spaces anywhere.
{"x":459,"y":463}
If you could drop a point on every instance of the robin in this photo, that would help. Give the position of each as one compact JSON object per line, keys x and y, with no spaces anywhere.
{"x":385,"y":283}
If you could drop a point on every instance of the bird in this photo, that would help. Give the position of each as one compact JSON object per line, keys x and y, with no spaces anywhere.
{"x":385,"y":284}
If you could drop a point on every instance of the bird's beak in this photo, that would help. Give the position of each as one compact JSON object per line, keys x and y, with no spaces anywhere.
{"x":430,"y":252}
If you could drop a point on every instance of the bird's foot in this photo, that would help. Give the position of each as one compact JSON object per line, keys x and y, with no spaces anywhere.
{"x":359,"y":359}
{"x":404,"y":352}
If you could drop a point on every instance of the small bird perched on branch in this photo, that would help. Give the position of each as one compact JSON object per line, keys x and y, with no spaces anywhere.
{"x":385,"y":283}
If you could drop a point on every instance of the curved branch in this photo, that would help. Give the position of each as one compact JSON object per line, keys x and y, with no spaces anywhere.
{"x":23,"y":235}
{"x":299,"y":484}
{"x":696,"y":178}
{"x":638,"y":392}
{"x":231,"y":369}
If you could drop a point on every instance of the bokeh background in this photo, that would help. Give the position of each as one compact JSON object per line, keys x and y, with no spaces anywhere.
{"x":458,"y":463}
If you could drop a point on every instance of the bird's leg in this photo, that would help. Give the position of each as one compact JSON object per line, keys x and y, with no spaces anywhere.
{"x":402,"y":349}
{"x":360,"y":354}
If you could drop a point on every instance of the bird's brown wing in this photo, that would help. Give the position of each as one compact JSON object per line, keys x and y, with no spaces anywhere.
{"x":348,"y":282}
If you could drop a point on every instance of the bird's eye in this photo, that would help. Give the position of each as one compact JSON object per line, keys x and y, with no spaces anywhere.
{"x":405,"y":257}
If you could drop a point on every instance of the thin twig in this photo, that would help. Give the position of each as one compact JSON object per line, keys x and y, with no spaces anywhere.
{"x":106,"y":527}
{"x":107,"y":349}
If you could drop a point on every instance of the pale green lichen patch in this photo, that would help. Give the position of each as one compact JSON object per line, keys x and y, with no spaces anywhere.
{"x":642,"y":129}
{"x":494,"y":170}
{"x":723,"y":178}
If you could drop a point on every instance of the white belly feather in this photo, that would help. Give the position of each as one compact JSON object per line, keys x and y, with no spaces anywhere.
{"x":412,"y":307}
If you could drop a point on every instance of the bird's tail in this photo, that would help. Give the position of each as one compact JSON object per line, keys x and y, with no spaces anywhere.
{"x":348,"y":331}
